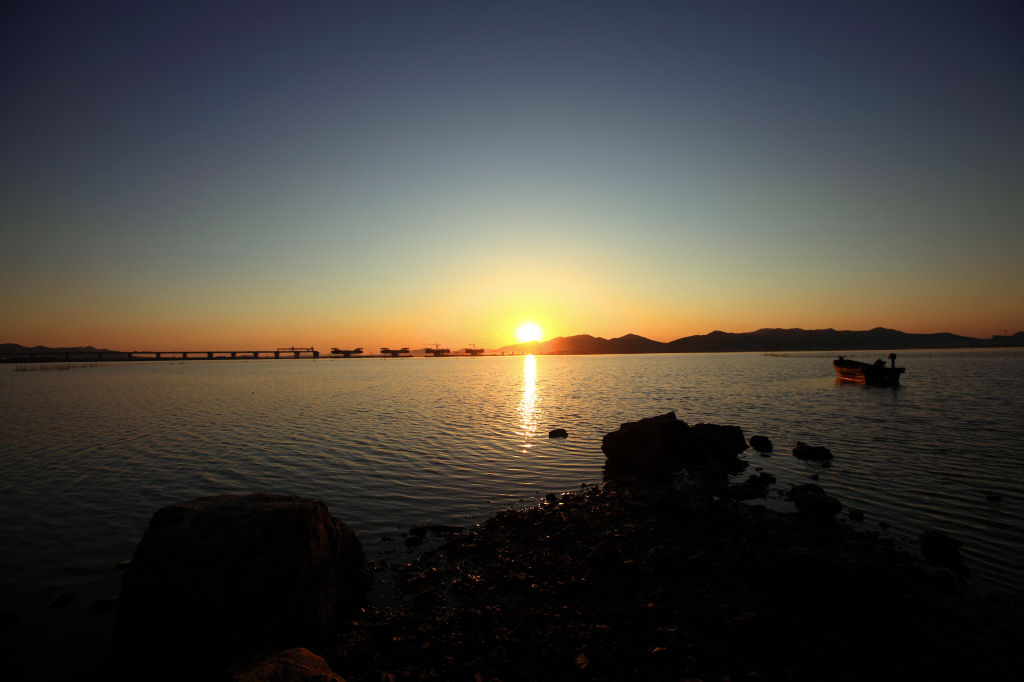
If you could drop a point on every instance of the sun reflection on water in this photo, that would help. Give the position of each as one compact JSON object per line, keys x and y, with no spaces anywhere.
{"x":528,"y":403}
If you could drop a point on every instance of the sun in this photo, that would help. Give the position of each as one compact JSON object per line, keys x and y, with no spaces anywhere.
{"x":528,"y":331}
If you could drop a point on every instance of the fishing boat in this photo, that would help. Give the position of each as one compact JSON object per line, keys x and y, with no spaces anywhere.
{"x":869,"y":374}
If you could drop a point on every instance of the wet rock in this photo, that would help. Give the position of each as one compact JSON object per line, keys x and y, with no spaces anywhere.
{"x":752,"y":488}
{"x":813,"y":503}
{"x":292,"y":665}
{"x":651,"y":445}
{"x":761,"y":443}
{"x":105,"y":605}
{"x":712,"y":441}
{"x":558,"y":433}
{"x":9,"y":618}
{"x":814,"y":453}
{"x":216,"y":575}
{"x":62,"y":599}
{"x":937,"y":545}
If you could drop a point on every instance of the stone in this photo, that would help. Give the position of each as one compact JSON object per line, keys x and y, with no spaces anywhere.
{"x":711,"y":441}
{"x":812,"y":502}
{"x":216,"y":577}
{"x":292,"y":665}
{"x":856,"y":515}
{"x":651,"y":445}
{"x":815,"y":453}
{"x":937,"y":545}
{"x":558,"y":433}
{"x":62,"y":599}
{"x":761,"y":443}
{"x":105,"y":605}
{"x":9,"y":618}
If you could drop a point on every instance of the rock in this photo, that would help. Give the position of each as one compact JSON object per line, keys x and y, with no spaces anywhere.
{"x":815,"y":453}
{"x":856,"y":515}
{"x":813,"y":503}
{"x":558,"y":433}
{"x":711,"y":441}
{"x":937,"y":545}
{"x":761,"y":443}
{"x":293,"y":665}
{"x":752,"y":488}
{"x":104,"y":605}
{"x":216,"y":576}
{"x":62,"y":599}
{"x":651,"y":445}
{"x":9,"y":618}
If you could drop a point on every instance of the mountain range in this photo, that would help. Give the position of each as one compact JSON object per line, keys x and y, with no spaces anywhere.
{"x":765,"y":341}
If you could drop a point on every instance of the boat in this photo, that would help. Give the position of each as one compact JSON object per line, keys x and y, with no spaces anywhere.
{"x":869,"y":374}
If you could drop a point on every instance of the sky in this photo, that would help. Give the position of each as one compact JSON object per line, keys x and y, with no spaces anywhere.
{"x":227,"y":175}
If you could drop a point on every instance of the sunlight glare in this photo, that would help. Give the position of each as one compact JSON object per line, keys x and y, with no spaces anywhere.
{"x":528,"y":331}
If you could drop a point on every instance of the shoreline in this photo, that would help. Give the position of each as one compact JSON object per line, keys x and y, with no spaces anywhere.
{"x":637,"y":580}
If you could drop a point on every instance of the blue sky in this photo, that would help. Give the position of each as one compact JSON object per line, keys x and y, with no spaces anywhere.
{"x":392,"y":173}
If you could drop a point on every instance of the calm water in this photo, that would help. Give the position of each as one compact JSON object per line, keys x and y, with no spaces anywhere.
{"x":87,"y":455}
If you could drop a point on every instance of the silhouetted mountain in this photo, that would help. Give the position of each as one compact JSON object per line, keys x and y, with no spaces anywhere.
{"x":765,"y":340}
{"x":17,"y":348}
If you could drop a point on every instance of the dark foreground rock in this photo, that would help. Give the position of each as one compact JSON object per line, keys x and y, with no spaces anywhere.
{"x":292,"y":665}
{"x":812,"y":502}
{"x":761,"y":443}
{"x":642,"y":582}
{"x":659,"y":445}
{"x":218,"y":576}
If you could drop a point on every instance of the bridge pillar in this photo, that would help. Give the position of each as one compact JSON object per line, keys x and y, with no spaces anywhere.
{"x":131,"y":356}
{"x":210,"y":354}
{"x":158,"y":356}
{"x":255,"y":355}
{"x":277,"y":354}
{"x":316,"y":354}
{"x":234,"y":355}
{"x":296,"y":353}
{"x":184,"y":356}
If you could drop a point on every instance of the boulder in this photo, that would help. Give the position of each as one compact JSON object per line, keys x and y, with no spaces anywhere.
{"x":812,"y":502}
{"x":558,"y":433}
{"x":711,"y":441}
{"x":937,"y":545}
{"x":217,"y":576}
{"x":292,"y":665}
{"x":815,"y":453}
{"x":761,"y":443}
{"x":654,"y":444}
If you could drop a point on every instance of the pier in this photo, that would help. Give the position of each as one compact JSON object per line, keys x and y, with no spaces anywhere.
{"x":42,"y":356}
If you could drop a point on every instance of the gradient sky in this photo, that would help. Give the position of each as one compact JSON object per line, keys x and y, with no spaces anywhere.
{"x":234,"y":175}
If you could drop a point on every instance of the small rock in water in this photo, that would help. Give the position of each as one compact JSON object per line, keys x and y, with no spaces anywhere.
{"x":761,"y":443}
{"x":103,"y":606}
{"x":552,"y":498}
{"x":62,"y":599}
{"x":815,"y":453}
{"x":558,"y":433}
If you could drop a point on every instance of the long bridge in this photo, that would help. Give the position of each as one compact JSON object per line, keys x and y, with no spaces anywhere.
{"x":291,"y":351}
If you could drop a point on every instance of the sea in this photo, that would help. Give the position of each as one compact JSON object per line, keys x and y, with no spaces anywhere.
{"x":89,"y":451}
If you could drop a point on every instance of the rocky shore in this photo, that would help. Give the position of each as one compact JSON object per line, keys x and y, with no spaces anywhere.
{"x":663,"y":572}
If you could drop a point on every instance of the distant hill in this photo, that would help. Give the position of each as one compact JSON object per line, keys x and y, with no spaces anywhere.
{"x":17,"y":348}
{"x":765,"y":341}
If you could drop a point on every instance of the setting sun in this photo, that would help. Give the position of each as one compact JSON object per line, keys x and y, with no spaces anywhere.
{"x":528,"y":331}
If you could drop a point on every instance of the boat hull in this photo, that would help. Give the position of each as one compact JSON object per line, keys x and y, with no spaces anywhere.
{"x":867,"y":374}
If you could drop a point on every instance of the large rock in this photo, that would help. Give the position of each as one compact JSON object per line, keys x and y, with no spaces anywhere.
{"x":812,"y":502}
{"x":761,"y":443}
{"x":293,"y":665}
{"x":649,"y":445}
{"x":216,"y":576}
{"x":711,"y":441}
